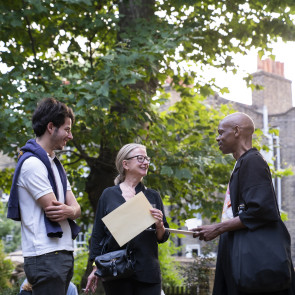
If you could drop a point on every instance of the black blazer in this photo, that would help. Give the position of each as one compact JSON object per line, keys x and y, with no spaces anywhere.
{"x":145,"y":245}
{"x":251,"y":184}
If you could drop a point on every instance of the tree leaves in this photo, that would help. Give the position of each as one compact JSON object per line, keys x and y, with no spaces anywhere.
{"x":113,"y":63}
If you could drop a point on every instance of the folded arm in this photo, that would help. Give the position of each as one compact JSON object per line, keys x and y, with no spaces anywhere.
{"x":57,"y":211}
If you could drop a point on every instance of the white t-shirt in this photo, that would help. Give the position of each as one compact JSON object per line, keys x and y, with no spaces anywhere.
{"x":227,"y":210}
{"x":33,"y":183}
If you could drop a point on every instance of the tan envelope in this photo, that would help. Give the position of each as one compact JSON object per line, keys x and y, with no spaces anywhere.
{"x":130,"y":219}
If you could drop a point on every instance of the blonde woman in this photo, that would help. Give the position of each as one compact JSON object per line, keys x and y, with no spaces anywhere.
{"x":132,"y":164}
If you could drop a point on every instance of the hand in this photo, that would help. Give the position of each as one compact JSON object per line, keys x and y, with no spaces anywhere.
{"x":92,"y":282}
{"x":58,"y":211}
{"x":206,"y":232}
{"x":158,"y":215}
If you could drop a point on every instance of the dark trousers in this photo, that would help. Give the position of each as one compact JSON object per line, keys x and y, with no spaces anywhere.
{"x":50,"y":273}
{"x":131,"y":287}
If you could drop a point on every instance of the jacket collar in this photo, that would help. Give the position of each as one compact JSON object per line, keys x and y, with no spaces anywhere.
{"x":243,"y":156}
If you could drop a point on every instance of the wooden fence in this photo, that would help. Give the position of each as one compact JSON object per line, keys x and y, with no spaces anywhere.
{"x":180,"y":290}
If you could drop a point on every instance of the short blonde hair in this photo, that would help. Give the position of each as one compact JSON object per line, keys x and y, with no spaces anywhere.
{"x":121,"y":156}
{"x":27,"y":287}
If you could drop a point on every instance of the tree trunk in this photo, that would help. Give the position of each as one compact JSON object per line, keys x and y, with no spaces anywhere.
{"x":102,"y":175}
{"x":133,"y":10}
{"x":102,"y":170}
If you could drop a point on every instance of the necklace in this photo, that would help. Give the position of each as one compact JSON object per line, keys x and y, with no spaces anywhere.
{"x":130,"y":190}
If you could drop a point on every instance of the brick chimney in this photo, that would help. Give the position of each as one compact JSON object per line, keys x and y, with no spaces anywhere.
{"x":277,"y":94}
{"x":270,"y":66}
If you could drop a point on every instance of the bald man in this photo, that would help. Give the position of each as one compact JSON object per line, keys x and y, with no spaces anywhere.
{"x":251,"y":179}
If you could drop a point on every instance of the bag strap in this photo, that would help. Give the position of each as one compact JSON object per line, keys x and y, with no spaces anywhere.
{"x":106,"y":241}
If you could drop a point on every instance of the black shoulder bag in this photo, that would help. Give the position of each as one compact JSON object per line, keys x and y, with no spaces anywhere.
{"x":261,"y":259}
{"x":116,"y":264}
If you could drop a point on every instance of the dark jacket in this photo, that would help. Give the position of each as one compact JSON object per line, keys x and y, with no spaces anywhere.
{"x":250,"y":184}
{"x":145,"y":245}
{"x":251,"y":179}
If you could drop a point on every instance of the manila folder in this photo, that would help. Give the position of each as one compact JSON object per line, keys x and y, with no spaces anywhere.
{"x":129,"y":219}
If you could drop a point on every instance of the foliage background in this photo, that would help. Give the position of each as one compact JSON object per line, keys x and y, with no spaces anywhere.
{"x":9,"y":227}
{"x":6,"y":268}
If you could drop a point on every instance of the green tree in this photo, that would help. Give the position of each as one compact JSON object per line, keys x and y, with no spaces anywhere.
{"x":110,"y":61}
{"x":190,"y":171}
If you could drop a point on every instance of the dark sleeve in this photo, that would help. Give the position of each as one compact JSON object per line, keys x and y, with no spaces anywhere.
{"x":166,"y":225}
{"x":98,"y":233}
{"x":256,"y":189}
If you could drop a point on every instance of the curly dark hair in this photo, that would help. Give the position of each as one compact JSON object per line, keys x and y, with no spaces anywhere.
{"x":50,"y":110}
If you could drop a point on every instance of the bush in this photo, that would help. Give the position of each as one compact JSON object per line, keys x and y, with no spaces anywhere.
{"x":81,"y":259}
{"x":12,"y":290}
{"x":6,"y":268}
{"x":197,"y":274}
{"x":169,"y":267}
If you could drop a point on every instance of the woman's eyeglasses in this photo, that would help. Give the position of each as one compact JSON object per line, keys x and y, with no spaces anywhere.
{"x":140,"y":158}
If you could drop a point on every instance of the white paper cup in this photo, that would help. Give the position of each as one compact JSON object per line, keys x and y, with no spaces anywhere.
{"x":193,"y":223}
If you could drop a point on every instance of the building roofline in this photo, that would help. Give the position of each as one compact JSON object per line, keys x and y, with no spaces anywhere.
{"x":249,"y":107}
{"x":282,"y":114}
{"x":276,"y":76}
